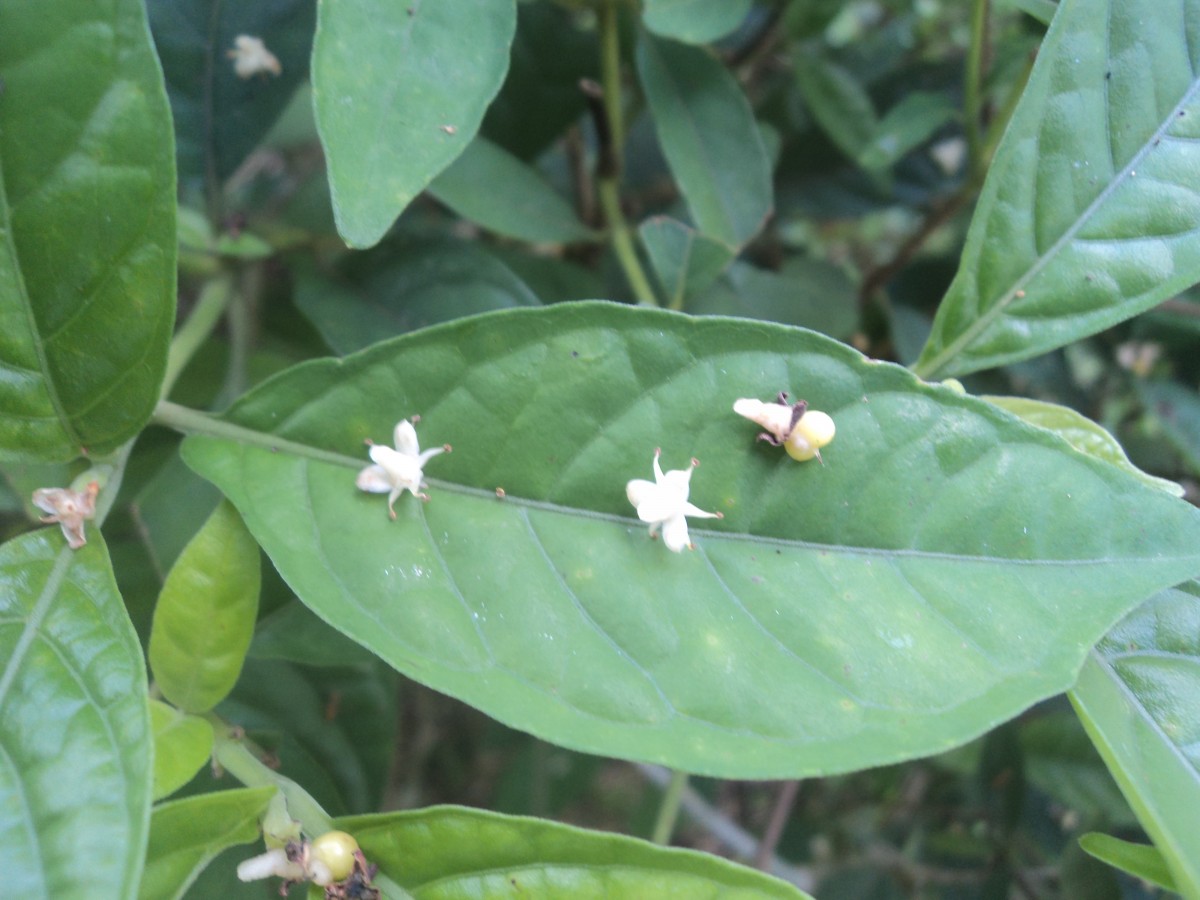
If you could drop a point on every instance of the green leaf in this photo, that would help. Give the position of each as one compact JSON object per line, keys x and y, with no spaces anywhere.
{"x":205,"y":614}
{"x":1041,"y":10}
{"x":399,"y":91}
{"x":709,"y":137}
{"x":185,"y":836}
{"x":293,"y":633}
{"x":1177,"y":408}
{"x":906,"y":126}
{"x":1139,"y":860}
{"x":221,"y":118}
{"x":75,"y":767}
{"x":694,"y":21}
{"x":1137,"y":696}
{"x":490,"y":186}
{"x":396,"y":290}
{"x":838,"y":102}
{"x":1063,"y":763}
{"x":447,"y":851}
{"x":946,"y":567}
{"x":1088,"y":214}
{"x":182,"y":745}
{"x":1081,"y":433}
{"x":87,"y":228}
{"x":685,"y":260}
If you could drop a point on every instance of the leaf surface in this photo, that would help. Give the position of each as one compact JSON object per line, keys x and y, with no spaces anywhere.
{"x":1139,"y":860}
{"x":1089,"y":213}
{"x":1139,"y":698}
{"x":182,"y":744}
{"x":709,"y":137}
{"x":445,"y":852}
{"x":75,"y":747}
{"x":205,"y":615}
{"x":685,"y":260}
{"x":87,"y":228}
{"x":400,"y":90}
{"x":694,"y":21}
{"x":947,"y":566}
{"x":489,"y":185}
{"x":185,"y":836}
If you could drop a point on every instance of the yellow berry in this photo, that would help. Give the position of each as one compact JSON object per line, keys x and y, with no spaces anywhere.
{"x":335,"y":849}
{"x":814,"y":430}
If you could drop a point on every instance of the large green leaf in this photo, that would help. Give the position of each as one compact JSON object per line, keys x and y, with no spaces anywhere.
{"x":447,"y":852}
{"x":946,"y":567}
{"x":1139,"y":698}
{"x":219,"y":117}
{"x":186,"y":835}
{"x":709,"y":137}
{"x":205,"y":615}
{"x":489,"y":185}
{"x":75,"y":744}
{"x":1089,"y":213}
{"x":87,"y":227}
{"x":400,"y":90}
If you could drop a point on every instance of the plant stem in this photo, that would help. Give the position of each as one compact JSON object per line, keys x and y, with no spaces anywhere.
{"x":211,"y":305}
{"x":622,"y":242}
{"x":668,"y":812}
{"x":190,"y":421}
{"x":610,"y":76}
{"x":973,"y":89}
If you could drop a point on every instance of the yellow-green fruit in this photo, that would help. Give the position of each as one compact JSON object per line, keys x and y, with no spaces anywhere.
{"x":335,"y":849}
{"x":814,"y":430}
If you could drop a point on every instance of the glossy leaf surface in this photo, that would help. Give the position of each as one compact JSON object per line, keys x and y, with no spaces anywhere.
{"x":840,"y":616}
{"x":185,"y":835}
{"x":87,"y":214}
{"x":75,"y":767}
{"x":490,"y":186}
{"x":400,"y":90}
{"x":1139,"y":698}
{"x":445,"y":852}
{"x":694,"y":21}
{"x":1089,"y":213}
{"x":182,"y":744}
{"x":220,"y":117}
{"x":205,"y":614}
{"x":709,"y":137}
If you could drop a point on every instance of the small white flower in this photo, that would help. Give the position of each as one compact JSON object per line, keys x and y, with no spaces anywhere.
{"x":801,"y":431}
{"x":69,"y":509}
{"x":664,"y":502}
{"x":399,"y":470}
{"x":273,"y":863}
{"x":251,"y":57}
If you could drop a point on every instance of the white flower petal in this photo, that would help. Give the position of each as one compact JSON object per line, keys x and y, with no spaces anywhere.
{"x":697,"y":513}
{"x":638,"y":490}
{"x":658,"y":507}
{"x":405,"y":438}
{"x":675,"y":533}
{"x":374,"y":479}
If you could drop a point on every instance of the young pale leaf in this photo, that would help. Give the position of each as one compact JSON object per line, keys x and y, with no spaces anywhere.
{"x":185,"y":836}
{"x":1089,"y":213}
{"x":400,"y":90}
{"x":709,"y":137}
{"x":182,"y":745}
{"x":75,"y":767}
{"x":1139,"y":860}
{"x":694,"y":21}
{"x":221,"y":117}
{"x":87,"y":211}
{"x":1081,"y":433}
{"x":946,"y":567}
{"x":1137,"y":696}
{"x":457,"y":852}
{"x":489,"y":185}
{"x":205,"y":614}
{"x":685,"y":260}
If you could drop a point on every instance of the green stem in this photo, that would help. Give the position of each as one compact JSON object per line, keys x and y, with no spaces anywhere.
{"x":190,"y":421}
{"x":668,"y":811}
{"x":211,"y":305}
{"x":622,"y":241}
{"x":973,"y":89}
{"x":610,"y":75}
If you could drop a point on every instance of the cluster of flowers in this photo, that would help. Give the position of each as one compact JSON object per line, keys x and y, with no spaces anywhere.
{"x":662,"y":503}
